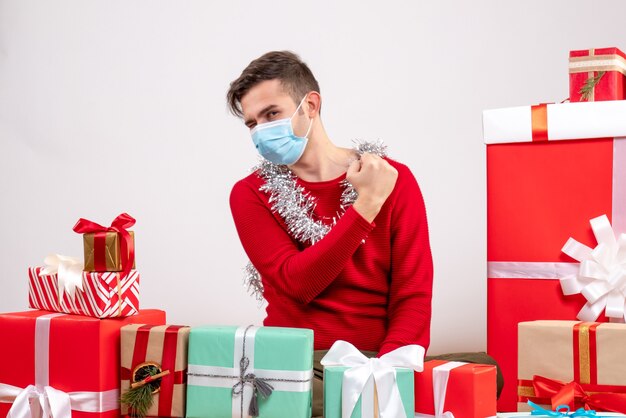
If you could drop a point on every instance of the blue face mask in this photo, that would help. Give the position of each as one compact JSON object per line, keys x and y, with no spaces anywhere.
{"x":276,"y":141}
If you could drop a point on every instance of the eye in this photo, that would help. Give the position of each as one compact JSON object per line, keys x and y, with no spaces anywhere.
{"x":272,"y":114}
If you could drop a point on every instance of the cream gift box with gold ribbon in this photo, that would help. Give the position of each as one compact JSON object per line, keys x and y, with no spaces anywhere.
{"x":580,"y":364}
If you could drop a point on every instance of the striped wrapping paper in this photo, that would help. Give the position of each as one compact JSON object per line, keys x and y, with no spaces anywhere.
{"x":103,"y":295}
{"x":165,"y":347}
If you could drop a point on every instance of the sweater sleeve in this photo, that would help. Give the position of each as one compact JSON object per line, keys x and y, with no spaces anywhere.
{"x":409,"y":308}
{"x":299,"y":274}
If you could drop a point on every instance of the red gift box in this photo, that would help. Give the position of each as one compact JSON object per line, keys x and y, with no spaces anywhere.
{"x":604,"y":68}
{"x":71,"y":359}
{"x":466,"y":390}
{"x":104,"y":295}
{"x":542,"y":190}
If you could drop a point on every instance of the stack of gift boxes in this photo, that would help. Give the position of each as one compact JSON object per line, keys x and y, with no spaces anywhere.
{"x":556,"y":202}
{"x":556,"y":252}
{"x":89,"y":351}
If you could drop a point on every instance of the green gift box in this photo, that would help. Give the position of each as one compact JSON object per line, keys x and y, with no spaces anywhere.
{"x":333,"y":383}
{"x":231,"y":368}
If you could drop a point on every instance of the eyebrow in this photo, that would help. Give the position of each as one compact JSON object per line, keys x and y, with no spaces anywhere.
{"x":264,"y":110}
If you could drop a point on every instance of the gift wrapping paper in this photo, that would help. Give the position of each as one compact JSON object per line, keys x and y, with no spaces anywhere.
{"x":163,"y":346}
{"x":368,"y":400}
{"x":105,"y":255}
{"x":226,"y":362}
{"x":550,"y":169}
{"x":356,"y":386}
{"x":552,"y":354}
{"x":103,"y":295}
{"x":62,"y":360}
{"x":464,"y":389}
{"x":608,"y":64}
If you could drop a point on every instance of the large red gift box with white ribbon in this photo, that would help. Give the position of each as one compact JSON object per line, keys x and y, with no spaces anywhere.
{"x":62,"y":365}
{"x":550,"y":170}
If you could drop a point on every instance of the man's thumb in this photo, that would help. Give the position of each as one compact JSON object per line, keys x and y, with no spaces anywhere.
{"x":353,"y":168}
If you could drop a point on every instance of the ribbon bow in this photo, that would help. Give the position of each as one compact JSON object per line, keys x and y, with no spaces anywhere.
{"x":602,"y":274}
{"x":365,"y":371}
{"x":119,"y":225}
{"x":259,"y":387}
{"x":69,"y":271}
{"x":45,"y":402}
{"x":561,"y":411}
{"x":573,"y":395}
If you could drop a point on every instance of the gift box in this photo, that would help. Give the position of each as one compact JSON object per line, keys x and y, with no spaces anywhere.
{"x":356,"y":386}
{"x":368,"y":400}
{"x":149,"y":350}
{"x":550,"y":169}
{"x":101,"y":295}
{"x":69,"y":363}
{"x":108,"y":248}
{"x":236,"y":371}
{"x":578,"y":364}
{"x":464,"y":389}
{"x":597,"y":74}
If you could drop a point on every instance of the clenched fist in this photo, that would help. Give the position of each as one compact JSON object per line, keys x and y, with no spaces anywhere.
{"x":374,"y":179}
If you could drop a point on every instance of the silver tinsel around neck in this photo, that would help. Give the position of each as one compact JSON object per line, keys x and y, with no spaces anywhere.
{"x":296,"y":206}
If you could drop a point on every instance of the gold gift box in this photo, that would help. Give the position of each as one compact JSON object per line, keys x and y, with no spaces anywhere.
{"x":112,"y":251}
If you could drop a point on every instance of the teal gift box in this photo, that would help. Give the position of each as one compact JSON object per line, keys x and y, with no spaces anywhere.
{"x":333,"y":383}
{"x":230,"y":370}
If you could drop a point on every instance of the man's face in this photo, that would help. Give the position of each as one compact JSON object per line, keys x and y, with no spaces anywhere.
{"x":268,"y":101}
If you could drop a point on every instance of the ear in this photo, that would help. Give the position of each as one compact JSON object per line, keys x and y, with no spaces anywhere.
{"x":313,"y":104}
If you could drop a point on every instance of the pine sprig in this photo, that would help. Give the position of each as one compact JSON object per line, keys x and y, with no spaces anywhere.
{"x":587,"y":89}
{"x":139,"y":399}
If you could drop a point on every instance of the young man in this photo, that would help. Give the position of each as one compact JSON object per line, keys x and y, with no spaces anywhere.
{"x":369,"y":279}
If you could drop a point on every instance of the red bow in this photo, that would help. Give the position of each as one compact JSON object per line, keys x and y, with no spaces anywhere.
{"x":119,"y":225}
{"x":573,"y":395}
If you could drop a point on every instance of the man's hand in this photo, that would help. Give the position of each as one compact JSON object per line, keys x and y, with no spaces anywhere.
{"x":374,"y":179}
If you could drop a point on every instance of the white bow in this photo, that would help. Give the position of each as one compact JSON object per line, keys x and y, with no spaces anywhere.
{"x":365,"y":371}
{"x":31,"y":401}
{"x":48,"y":402}
{"x":602,"y":274}
{"x":69,"y":271}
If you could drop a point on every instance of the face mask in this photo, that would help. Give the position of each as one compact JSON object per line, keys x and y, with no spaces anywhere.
{"x":276,"y":141}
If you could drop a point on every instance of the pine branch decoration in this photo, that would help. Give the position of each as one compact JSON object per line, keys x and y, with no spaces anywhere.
{"x":587,"y":89}
{"x":139,"y":397}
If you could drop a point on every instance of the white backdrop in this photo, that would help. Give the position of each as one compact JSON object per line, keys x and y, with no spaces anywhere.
{"x":113,"y":106}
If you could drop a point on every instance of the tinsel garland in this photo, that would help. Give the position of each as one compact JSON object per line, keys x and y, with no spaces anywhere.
{"x":296,"y":206}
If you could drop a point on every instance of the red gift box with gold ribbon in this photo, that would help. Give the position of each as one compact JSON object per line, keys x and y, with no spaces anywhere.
{"x":150,"y":349}
{"x":550,"y":169}
{"x":579,"y":364}
{"x":66,"y":366}
{"x":597,"y":74}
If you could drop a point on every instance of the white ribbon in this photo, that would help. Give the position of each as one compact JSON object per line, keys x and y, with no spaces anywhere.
{"x":69,"y":271}
{"x":43,"y":401}
{"x":359,"y":379}
{"x":441,"y":375}
{"x":601,"y":276}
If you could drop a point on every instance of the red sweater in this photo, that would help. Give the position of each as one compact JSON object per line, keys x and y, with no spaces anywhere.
{"x":376,"y":294}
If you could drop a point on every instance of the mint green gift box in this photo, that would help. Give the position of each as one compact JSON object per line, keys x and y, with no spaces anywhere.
{"x":274,"y":353}
{"x":333,"y":382}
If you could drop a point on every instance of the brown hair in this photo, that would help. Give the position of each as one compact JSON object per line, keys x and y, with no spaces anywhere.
{"x":295,"y":77}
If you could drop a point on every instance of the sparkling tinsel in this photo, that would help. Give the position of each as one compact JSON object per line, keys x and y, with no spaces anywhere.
{"x":295,"y":205}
